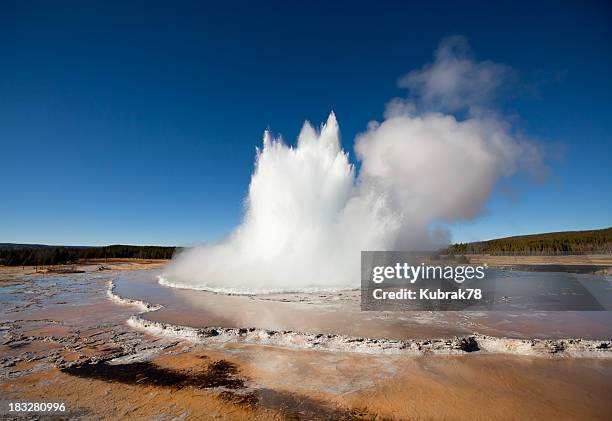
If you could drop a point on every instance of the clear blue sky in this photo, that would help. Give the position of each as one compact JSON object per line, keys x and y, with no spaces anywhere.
{"x":137,"y":123}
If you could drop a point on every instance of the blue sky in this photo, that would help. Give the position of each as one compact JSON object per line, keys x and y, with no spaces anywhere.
{"x":138,"y":123}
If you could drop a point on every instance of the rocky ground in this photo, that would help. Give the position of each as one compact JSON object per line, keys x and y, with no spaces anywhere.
{"x":64,"y":339}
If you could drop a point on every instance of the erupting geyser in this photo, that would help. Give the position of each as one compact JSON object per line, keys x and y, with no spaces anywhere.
{"x":307,"y":218}
{"x":308,"y":214}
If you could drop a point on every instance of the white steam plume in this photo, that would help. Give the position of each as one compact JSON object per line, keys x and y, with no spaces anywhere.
{"x":308,"y":214}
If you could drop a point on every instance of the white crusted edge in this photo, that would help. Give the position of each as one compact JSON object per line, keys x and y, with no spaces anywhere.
{"x":142,"y":306}
{"x":568,"y":348}
{"x":340,"y":343}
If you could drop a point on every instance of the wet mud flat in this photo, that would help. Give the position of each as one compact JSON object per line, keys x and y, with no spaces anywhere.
{"x":274,"y":383}
{"x":64,"y":339}
{"x":61,"y":319}
{"x":582,"y":264}
{"x":339,"y":314}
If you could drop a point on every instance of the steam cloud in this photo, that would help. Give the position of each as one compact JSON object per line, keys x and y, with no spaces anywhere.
{"x":309,"y":214}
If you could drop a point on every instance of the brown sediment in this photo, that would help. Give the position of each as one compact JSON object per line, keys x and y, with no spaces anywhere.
{"x":286,"y":384}
{"x":85,"y":355}
{"x":28,"y":346}
{"x":220,"y":373}
{"x":489,"y":387}
{"x":15,"y":274}
{"x":99,"y":399}
{"x":192,"y":385}
{"x":588,"y":263}
{"x":439,"y":387}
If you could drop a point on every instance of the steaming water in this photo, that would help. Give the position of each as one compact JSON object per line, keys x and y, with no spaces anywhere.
{"x":340,"y":313}
{"x":305,"y":219}
{"x":309,"y":214}
{"x":248,"y":290}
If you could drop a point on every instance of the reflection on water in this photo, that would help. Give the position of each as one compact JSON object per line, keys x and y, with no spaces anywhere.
{"x":549,"y":291}
{"x":501,"y":290}
{"x":339,"y":313}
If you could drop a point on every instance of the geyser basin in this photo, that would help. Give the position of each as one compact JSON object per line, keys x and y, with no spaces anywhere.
{"x":309,"y":213}
{"x":339,"y":313}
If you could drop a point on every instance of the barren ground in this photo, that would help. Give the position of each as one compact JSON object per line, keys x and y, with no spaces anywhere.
{"x":54,"y":326}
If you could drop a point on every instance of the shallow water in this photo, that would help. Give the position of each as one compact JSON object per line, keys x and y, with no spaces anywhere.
{"x":74,"y":314}
{"x":47,"y":293}
{"x":339,"y":313}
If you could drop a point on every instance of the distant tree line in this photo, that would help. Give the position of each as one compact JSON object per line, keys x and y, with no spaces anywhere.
{"x":555,"y":243}
{"x":24,"y":255}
